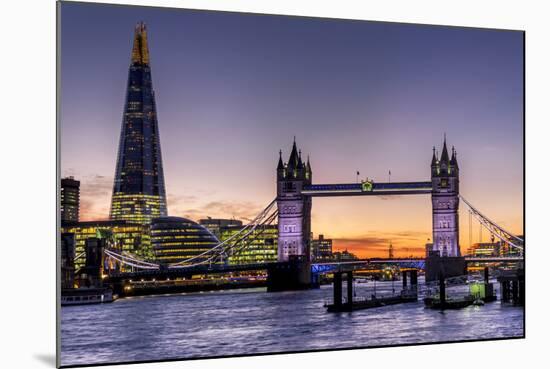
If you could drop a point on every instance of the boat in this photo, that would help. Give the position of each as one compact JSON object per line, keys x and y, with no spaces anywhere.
{"x":86,"y":295}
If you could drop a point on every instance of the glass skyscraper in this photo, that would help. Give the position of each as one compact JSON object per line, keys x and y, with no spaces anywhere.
{"x":138,"y":191}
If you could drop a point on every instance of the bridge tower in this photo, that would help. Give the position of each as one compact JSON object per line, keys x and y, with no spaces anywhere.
{"x":445,"y":203}
{"x":294,"y":217}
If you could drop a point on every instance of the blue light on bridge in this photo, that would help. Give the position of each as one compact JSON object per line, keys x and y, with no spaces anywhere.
{"x":323,"y":268}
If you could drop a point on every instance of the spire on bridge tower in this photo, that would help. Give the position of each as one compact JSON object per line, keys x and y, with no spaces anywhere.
{"x":280,"y":165}
{"x":454,"y":161}
{"x":435,"y":163}
{"x":308,"y":169}
{"x":293,"y":159}
{"x":444,"y":161}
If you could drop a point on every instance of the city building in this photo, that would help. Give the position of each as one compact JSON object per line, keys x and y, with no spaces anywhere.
{"x":344,"y":256}
{"x":321,"y":248}
{"x":260,"y":246}
{"x":122,"y":235}
{"x":70,"y":199}
{"x":138,"y":191}
{"x":67,"y":260}
{"x":215,"y":225}
{"x":485,"y":249}
{"x":507,"y":250}
{"x":176,"y":239}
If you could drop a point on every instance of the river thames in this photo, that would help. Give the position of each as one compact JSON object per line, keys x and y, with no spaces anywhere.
{"x":253,"y":321}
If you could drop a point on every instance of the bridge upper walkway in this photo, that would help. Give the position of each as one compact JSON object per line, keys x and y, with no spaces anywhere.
{"x":367,"y":188}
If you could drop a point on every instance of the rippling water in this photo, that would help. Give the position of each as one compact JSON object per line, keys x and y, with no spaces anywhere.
{"x":253,"y":321}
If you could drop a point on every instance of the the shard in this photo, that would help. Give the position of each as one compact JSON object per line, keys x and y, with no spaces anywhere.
{"x":138,"y":191}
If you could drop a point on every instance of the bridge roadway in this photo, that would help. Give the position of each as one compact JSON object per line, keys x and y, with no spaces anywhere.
{"x":316,"y":268}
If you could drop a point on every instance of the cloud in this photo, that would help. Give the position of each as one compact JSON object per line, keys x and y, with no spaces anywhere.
{"x":178,"y":201}
{"x":95,"y":196}
{"x":244,"y":210}
{"x":69,"y":172}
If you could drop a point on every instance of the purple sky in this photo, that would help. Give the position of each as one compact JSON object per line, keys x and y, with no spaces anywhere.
{"x":232,"y":89}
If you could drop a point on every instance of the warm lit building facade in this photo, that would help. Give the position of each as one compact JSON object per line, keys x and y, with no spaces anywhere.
{"x":321,"y":248}
{"x":122,"y":235}
{"x":507,"y":250}
{"x":175,"y":240}
{"x":70,"y":199}
{"x":259,"y":247}
{"x":138,"y":191}
{"x":485,"y":249}
{"x":216,"y":225}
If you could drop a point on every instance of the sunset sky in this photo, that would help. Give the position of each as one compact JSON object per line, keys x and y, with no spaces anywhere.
{"x":232,"y":89}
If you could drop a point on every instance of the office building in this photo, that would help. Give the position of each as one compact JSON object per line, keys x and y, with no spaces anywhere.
{"x":138,"y":191}
{"x":70,"y":200}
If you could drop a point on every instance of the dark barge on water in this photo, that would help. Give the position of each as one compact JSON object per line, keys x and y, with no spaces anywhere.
{"x":372,"y":303}
{"x":408,"y":294}
{"x":437,"y":303}
{"x":479,"y":294}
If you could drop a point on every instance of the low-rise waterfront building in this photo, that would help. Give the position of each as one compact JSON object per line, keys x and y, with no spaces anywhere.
{"x":124,"y":236}
{"x":216,"y":225}
{"x":485,"y":249}
{"x":321,"y":248}
{"x":344,"y":256}
{"x":258,"y":247}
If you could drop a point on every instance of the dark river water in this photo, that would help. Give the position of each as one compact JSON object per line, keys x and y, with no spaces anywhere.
{"x":253,"y":321}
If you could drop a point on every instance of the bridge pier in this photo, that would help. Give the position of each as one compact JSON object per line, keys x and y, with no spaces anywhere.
{"x":289,"y":275}
{"x":447,"y":266}
{"x":414,"y":278}
{"x":337,"y":299}
{"x":442,"y":292}
{"x":337,"y":292}
{"x":512,"y":288}
{"x":350,"y":288}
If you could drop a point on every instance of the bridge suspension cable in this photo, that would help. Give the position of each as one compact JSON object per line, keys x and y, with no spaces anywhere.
{"x":230,"y":247}
{"x":499,"y":232}
{"x":222,"y":246}
{"x":265,"y":217}
{"x":130,"y":260}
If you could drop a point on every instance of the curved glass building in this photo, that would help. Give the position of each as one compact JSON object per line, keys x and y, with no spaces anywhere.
{"x":177,"y":239}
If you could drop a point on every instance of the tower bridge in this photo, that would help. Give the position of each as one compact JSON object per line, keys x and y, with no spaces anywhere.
{"x":295,"y":190}
{"x":291,"y":209}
